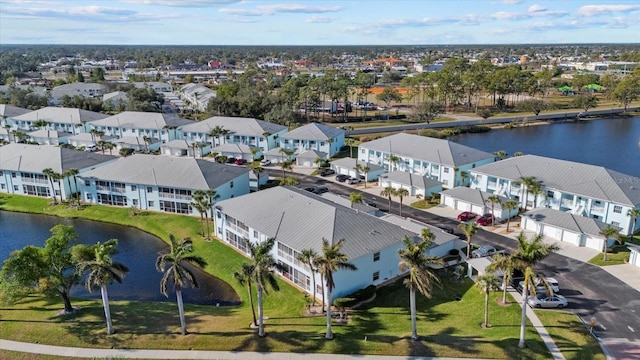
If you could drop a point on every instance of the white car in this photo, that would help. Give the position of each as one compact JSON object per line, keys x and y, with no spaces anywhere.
{"x":265,"y":162}
{"x":90,"y":148}
{"x":482,"y":251}
{"x":541,"y":288}
{"x":545,"y":301}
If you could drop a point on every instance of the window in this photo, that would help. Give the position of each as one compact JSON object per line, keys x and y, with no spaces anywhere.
{"x":135,"y":202}
{"x":617,"y":209}
{"x":13,"y":174}
{"x":550,"y":194}
{"x":615,"y":223}
{"x":376,"y":276}
{"x":598,"y":202}
{"x":479,"y":177}
{"x":255,"y":233}
{"x":376,"y":256}
{"x":446,"y":170}
{"x":15,"y":187}
{"x":2,"y":186}
{"x":133,"y":188}
{"x":149,"y":189}
{"x":150,"y":203}
{"x":363,"y":151}
{"x":445,"y":182}
{"x":87,"y":183}
{"x":0,"y":173}
{"x":89,"y":197}
{"x":231,"y":185}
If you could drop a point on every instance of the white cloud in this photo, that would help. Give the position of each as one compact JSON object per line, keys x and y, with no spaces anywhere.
{"x":262,"y":10}
{"x":92,"y":13}
{"x":536,"y":8}
{"x":503,"y":15}
{"x":512,"y":2}
{"x":594,"y":10}
{"x":320,"y":19}
{"x":183,"y":3}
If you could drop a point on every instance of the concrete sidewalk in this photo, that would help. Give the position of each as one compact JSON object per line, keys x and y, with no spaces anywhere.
{"x":188,"y":354}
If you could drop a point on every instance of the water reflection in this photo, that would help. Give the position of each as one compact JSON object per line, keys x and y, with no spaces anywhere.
{"x":138,"y":250}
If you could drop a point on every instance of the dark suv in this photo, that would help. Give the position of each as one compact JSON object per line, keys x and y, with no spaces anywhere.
{"x":342,"y":177}
{"x":326,"y":172}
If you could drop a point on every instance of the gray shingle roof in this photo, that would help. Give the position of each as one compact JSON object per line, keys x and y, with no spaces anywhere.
{"x":35,"y":158}
{"x":313,"y":131}
{"x":436,"y":151}
{"x":11,"y":111}
{"x":61,"y":115}
{"x":300,"y":220}
{"x":564,"y":220}
{"x":582,"y":179}
{"x":473,"y":196}
{"x":406,"y":178}
{"x":142,"y":120}
{"x":236,"y":125}
{"x":182,"y":172}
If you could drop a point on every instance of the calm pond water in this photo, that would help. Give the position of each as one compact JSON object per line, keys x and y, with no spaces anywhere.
{"x":613,"y":143}
{"x":138,"y":250}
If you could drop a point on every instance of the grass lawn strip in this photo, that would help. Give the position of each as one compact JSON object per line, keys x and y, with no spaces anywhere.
{"x":570,"y":335}
{"x":448,"y":328}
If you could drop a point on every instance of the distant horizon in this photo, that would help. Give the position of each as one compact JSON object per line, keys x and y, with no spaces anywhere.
{"x":317,"y":23}
{"x":335,"y":45}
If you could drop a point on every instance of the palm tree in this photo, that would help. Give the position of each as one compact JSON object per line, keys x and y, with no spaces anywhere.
{"x":213,"y":197}
{"x":469,"y":230}
{"x":493,"y":200}
{"x":50,"y":175}
{"x":257,"y":170}
{"x":501,"y":154}
{"x":388,"y":192}
{"x":172,"y":265}
{"x":109,"y":146}
{"x":464,"y":175}
{"x":102,"y":271}
{"x":355,"y":198}
{"x":528,"y":254}
{"x":200,"y":202}
{"x":308,"y":257}
{"x":331,"y":260}
{"x":393,"y":160}
{"x":509,"y":205}
{"x":244,"y":277}
{"x":401,"y":193}
{"x":263,"y":273}
{"x":526,"y":182}
{"x":537,"y":190}
{"x":285,"y":165}
{"x":607,"y":233}
{"x":289,"y":181}
{"x":350,"y":142}
{"x":147,"y":141}
{"x":413,"y":258}
{"x":487,"y":282}
{"x":506,"y":263}
{"x":634,"y":214}
{"x":74,"y":172}
{"x":365,"y":169}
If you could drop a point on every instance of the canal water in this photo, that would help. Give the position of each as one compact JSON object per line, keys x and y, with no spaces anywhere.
{"x":613,"y":143}
{"x":137,"y":249}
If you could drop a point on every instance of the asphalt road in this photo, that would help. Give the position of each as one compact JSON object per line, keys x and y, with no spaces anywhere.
{"x":591,"y":291}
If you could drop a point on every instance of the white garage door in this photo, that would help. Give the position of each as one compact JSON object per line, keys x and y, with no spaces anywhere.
{"x":571,"y":238}
{"x":594,"y":243}
{"x":450,"y":202}
{"x":477,"y":209}
{"x":530,"y":224}
{"x":551,"y":231}
{"x":344,"y":171}
{"x":463,"y":206}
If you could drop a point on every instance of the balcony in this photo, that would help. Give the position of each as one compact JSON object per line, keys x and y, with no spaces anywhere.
{"x":566,"y":203}
{"x":167,"y":195}
{"x":597,"y":209}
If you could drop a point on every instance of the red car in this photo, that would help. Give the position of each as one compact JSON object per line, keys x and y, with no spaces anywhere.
{"x":466,"y":216}
{"x":485,"y":220}
{"x":240,"y":161}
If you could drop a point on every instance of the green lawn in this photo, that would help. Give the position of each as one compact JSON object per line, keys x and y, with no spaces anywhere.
{"x":616,"y":255}
{"x":449,"y":328}
{"x":570,"y":334}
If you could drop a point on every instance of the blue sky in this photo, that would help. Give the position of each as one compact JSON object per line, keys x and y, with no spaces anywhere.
{"x":306,"y":22}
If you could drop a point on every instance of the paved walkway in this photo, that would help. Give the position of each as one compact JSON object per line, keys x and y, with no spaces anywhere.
{"x":188,"y":354}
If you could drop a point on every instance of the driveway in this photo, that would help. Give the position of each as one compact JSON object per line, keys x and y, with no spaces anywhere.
{"x":591,"y":291}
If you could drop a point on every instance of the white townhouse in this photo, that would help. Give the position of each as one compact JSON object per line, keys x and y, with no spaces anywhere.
{"x":158,"y":127}
{"x":161,"y":183}
{"x":84,"y":89}
{"x":247,"y":131}
{"x":157,"y":86}
{"x":442,"y":160}
{"x":314,"y":136}
{"x":21,"y":167}
{"x":299,"y":220}
{"x":74,"y":121}
{"x":476,"y":201}
{"x":197,"y":95}
{"x":49,"y":137}
{"x":585,"y":190}
{"x":8,"y":112}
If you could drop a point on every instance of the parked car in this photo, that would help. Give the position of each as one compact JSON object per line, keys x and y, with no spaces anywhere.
{"x":342,"y":177}
{"x":231,"y":160}
{"x":541,"y":288}
{"x":265,"y":162}
{"x":482,"y":251}
{"x":544,"y":301}
{"x":466,"y":216}
{"x":240,"y":161}
{"x":485,"y":220}
{"x":353,"y":180}
{"x":326,"y":172}
{"x":320,"y":190}
{"x":310,"y":189}
{"x":90,"y":148}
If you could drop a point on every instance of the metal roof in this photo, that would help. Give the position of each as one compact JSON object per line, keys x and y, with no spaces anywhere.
{"x":473,"y":196}
{"x":234,"y":148}
{"x":350,"y":163}
{"x":35,"y":158}
{"x":236,"y":125}
{"x":413,"y":180}
{"x":312,"y":154}
{"x":61,"y":115}
{"x":142,"y":120}
{"x":11,"y":111}
{"x":436,"y":151}
{"x":416,"y":226}
{"x":564,"y":220}
{"x":567,"y":176}
{"x":301,"y":220}
{"x":175,"y":172}
{"x":49,"y":134}
{"x":313,"y":131}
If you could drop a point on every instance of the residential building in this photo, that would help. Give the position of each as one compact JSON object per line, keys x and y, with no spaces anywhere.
{"x":156,"y":126}
{"x":157,"y":86}
{"x":634,"y":254}
{"x":83,"y":89}
{"x":180,"y":148}
{"x":197,"y":96}
{"x":21,"y":167}
{"x":301,"y":220}
{"x":49,"y":137}
{"x":218,"y":130}
{"x":8,"y":112}
{"x":442,"y":160}
{"x":566,"y":227}
{"x":349,"y":166}
{"x":476,"y":201}
{"x":237,"y":151}
{"x":584,"y":190}
{"x":314,"y":136}
{"x":310,"y":158}
{"x":161,"y":183}
{"x":69,"y":120}
{"x":416,"y":185}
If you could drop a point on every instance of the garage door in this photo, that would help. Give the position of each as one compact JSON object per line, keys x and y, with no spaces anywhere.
{"x":450,"y":202}
{"x":463,"y":206}
{"x":477,"y":209}
{"x":530,"y":224}
{"x":344,"y":171}
{"x":571,"y":238}
{"x":551,"y":231}
{"x":594,"y":243}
